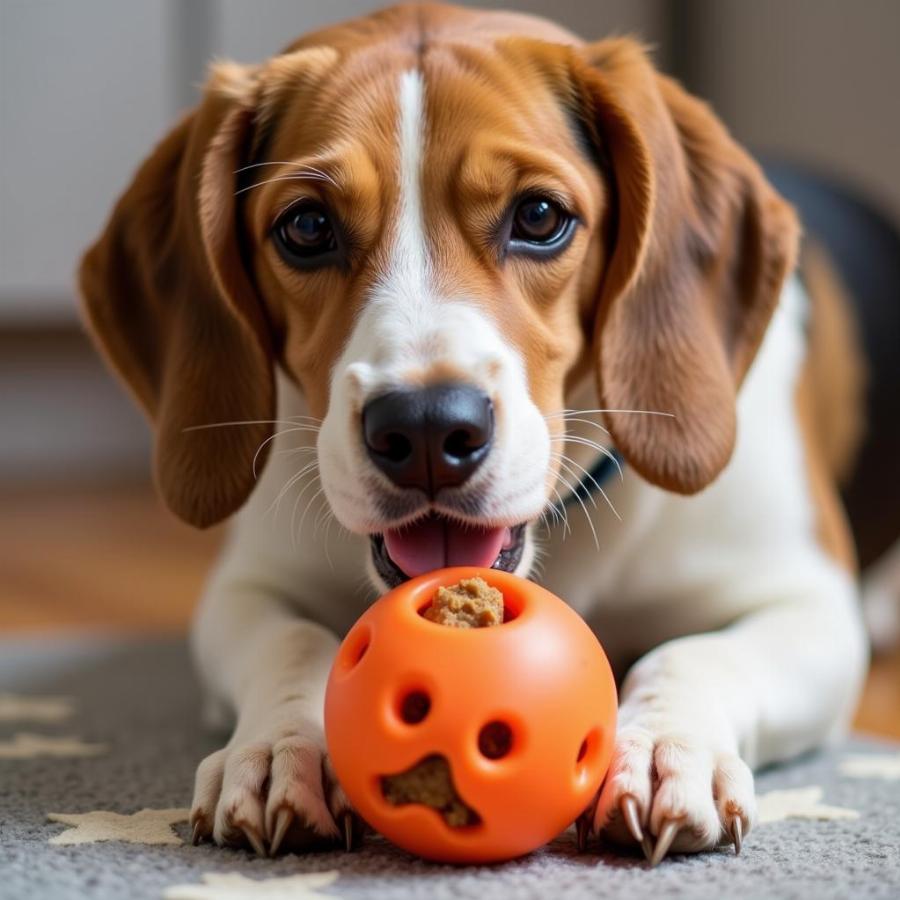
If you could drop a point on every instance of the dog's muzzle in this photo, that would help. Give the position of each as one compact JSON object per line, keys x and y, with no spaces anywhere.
{"x":427,"y":441}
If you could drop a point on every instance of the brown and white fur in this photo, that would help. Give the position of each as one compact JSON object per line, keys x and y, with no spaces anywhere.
{"x":722,"y":586}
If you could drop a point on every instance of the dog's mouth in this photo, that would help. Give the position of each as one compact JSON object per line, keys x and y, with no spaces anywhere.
{"x":436,"y":541}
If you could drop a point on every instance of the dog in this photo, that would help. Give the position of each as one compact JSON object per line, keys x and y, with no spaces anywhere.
{"x":404,"y":296}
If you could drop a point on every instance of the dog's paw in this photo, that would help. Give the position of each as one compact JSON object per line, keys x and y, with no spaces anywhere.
{"x":272,"y":795}
{"x":673,"y":792}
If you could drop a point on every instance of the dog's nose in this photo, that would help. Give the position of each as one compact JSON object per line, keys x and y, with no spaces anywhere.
{"x":429,"y":438}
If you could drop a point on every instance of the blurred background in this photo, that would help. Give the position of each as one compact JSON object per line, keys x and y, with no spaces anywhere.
{"x":87,"y":87}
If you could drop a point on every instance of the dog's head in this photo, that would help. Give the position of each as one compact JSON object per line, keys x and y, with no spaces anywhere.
{"x":438,"y":222}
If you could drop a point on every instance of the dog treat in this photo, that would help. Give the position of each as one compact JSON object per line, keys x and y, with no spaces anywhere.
{"x":430,"y":783}
{"x":472,"y":603}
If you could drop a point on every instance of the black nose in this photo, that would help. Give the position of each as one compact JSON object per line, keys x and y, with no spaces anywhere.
{"x":429,"y":438}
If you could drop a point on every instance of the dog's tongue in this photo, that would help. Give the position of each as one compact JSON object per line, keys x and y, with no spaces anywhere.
{"x":435,"y":543}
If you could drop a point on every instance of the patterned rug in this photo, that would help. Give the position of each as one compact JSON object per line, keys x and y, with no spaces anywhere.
{"x":98,"y":745}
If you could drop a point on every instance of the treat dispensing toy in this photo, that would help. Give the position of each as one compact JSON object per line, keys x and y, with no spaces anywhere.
{"x":463,"y":743}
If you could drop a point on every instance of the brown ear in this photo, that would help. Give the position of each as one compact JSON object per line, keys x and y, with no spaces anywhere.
{"x":701,"y":244}
{"x":169,"y":301}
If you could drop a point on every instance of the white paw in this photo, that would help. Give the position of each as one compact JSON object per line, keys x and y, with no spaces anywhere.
{"x":670,"y":791}
{"x":274,"y":793}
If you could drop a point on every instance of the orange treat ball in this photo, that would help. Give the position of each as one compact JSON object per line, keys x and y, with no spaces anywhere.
{"x":523,"y":713}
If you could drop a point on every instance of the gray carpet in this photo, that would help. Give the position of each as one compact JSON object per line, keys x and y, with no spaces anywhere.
{"x":140,"y":700}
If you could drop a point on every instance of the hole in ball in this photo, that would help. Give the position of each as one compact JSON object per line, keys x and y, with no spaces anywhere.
{"x":582,"y":751}
{"x":495,"y":740}
{"x":587,"y":752}
{"x":355,"y":649}
{"x":430,"y":783}
{"x":414,"y":707}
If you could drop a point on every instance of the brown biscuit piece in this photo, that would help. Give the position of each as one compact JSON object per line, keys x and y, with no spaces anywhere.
{"x":472,"y":603}
{"x":429,"y":783}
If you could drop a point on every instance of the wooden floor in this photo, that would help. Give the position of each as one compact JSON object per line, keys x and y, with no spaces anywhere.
{"x":113,"y":559}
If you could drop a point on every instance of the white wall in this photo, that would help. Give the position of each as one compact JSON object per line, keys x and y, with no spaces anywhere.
{"x":84,"y":91}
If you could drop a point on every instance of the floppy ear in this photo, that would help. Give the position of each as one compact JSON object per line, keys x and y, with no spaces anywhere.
{"x":169,"y":301}
{"x":701,"y":245}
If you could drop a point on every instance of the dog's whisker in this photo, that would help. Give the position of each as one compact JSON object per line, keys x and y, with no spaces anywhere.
{"x":289,"y":451}
{"x":329,"y":521}
{"x":583,"y":412}
{"x":315,"y":419}
{"x":549,"y":510}
{"x":599,"y":487}
{"x":309,"y":467}
{"x":577,"y":439}
{"x":587,"y":442}
{"x":609,"y":502}
{"x":311,"y":176}
{"x":298,"y":531}
{"x":562,"y":461}
{"x":319,"y":171}
{"x":316,"y":526}
{"x":288,"y":422}
{"x":587,"y":422}
{"x":271,"y":438}
{"x":587,"y":513}
{"x":298,"y":167}
{"x":320,"y":519}
{"x":571,"y":462}
{"x":561,"y":512}
{"x":364,"y":585}
{"x":544,"y":521}
{"x":327,"y":514}
{"x":309,"y":505}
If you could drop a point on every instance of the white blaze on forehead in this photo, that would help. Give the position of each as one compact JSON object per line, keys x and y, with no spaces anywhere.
{"x":405,"y":327}
{"x":407,"y":273}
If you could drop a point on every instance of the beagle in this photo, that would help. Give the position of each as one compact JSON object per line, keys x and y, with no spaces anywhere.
{"x":390,"y":299}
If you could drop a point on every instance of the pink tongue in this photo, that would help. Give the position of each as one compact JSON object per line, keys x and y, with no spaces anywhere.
{"x":435,"y":543}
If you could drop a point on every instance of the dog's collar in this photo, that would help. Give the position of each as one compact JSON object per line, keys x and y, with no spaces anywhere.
{"x":594,"y":479}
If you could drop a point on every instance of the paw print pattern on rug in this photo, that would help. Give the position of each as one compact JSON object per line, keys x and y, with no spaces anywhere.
{"x":233,"y":886}
{"x":871,"y":765}
{"x":146,"y":826}
{"x":799,"y":803}
{"x":23,"y":708}
{"x":25,"y":745}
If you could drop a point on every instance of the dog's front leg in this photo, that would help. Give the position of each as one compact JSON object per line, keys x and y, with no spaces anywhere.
{"x":271,"y":786}
{"x":698,"y":713}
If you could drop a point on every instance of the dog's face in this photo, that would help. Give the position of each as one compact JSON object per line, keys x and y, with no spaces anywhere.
{"x":430,"y":254}
{"x":439,"y":222}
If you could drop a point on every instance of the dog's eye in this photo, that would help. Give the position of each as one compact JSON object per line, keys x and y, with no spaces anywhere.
{"x":305,"y":236}
{"x":540,"y":225}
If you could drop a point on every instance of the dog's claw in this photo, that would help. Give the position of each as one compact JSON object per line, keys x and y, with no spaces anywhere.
{"x":282,"y":823}
{"x":670,"y":829}
{"x":254,"y":841}
{"x":347,"y":822}
{"x":197,"y":834}
{"x":354,"y":829}
{"x":582,"y":831}
{"x":629,"y":808}
{"x":736,"y":830}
